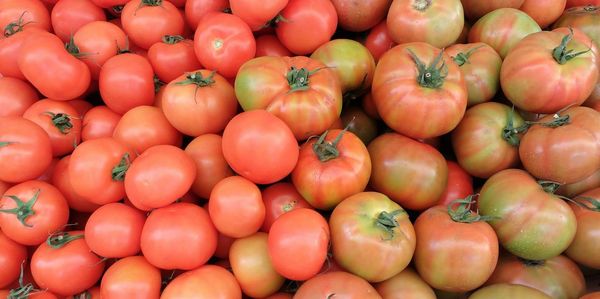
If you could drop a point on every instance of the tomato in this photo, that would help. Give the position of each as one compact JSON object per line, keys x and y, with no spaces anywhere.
{"x":4,"y":186}
{"x":31,"y":294}
{"x":594,"y":295}
{"x":332,"y":168}
{"x":173,"y":57}
{"x":588,"y":227}
{"x":12,"y":256}
{"x":475,"y":9}
{"x":196,"y":9}
{"x":237,"y":198}
{"x":143,"y":127}
{"x":32,"y":210}
{"x":252,"y":266}
{"x":359,"y":123}
{"x":81,"y":106}
{"x":372,"y":236}
{"x":257,"y":16}
{"x":399,"y":89}
{"x":574,"y":189}
{"x":44,"y":56}
{"x":484,"y":141}
{"x":99,"y":122}
{"x":558,"y":277}
{"x":298,"y":242}
{"x":460,"y":184}
{"x":159,"y":176}
{"x":178,"y":236}
{"x":336,"y":284}
{"x":260,"y":147}
{"x":269,"y":45}
{"x":131,"y":277}
{"x":405,"y":285}
{"x":70,"y":15}
{"x":301,"y":91}
{"x":161,"y":16}
{"x":10,"y":49}
{"x":223,"y":246}
{"x":126,"y":81}
{"x":414,"y":177}
{"x":223,"y":42}
{"x":66,"y":256}
{"x":199,"y":102}
{"x":109,"y":3}
{"x":60,"y":121}
{"x":438,"y":23}
{"x":544,"y":12}
{"x":280,"y":296}
{"x":208,"y":281}
{"x":584,"y":18}
{"x":480,"y":65}
{"x":505,"y":290}
{"x":306,"y":25}
{"x":279,"y":199}
{"x":92,"y":293}
{"x":14,"y":13}
{"x":379,"y":40}
{"x":359,"y":16}
{"x":211,"y":167}
{"x":530,"y":222}
{"x":97,"y":42}
{"x":15,"y":96}
{"x":62,"y":181}
{"x":97,"y":170}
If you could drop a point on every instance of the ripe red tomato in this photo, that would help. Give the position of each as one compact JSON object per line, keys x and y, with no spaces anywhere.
{"x":257,"y":16}
{"x":460,"y":184}
{"x":196,"y":9}
{"x":298,"y":242}
{"x":505,"y":290}
{"x":66,"y":256}
{"x":358,"y":16}
{"x":97,"y":42}
{"x":12,"y":255}
{"x":280,"y":198}
{"x":405,"y":285}
{"x":211,"y":167}
{"x":379,"y":40}
{"x":173,"y":57}
{"x":99,"y":122}
{"x":131,"y":277}
{"x":223,"y":42}
{"x":475,"y":9}
{"x":15,"y":96}
{"x":146,"y":22}
{"x":269,"y":45}
{"x":336,"y":284}
{"x":223,"y":245}
{"x":62,"y":181}
{"x":260,"y":147}
{"x":306,"y":25}
{"x":586,"y":240}
{"x":237,"y":198}
{"x":15,"y":13}
{"x":70,"y":15}
{"x":178,"y":236}
{"x":81,"y":106}
{"x":208,"y":281}
{"x":10,"y":49}
{"x":544,"y":12}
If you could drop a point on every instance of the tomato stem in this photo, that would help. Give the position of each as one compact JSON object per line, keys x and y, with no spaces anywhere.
{"x":158,"y":84}
{"x":61,"y":121}
{"x":150,"y":3}
{"x":430,"y":76}
{"x":84,"y":295}
{"x":197,"y":79}
{"x":59,"y":240}
{"x":22,"y":291}
{"x":549,"y":186}
{"x":460,"y":211}
{"x":421,"y":5}
{"x":299,"y":79}
{"x":119,"y":171}
{"x":16,"y":26}
{"x":117,"y":9}
{"x":326,"y":151}
{"x":561,"y":54}
{"x":587,"y":201}
{"x":172,"y":39}
{"x":463,"y":57}
{"x":387,"y":221}
{"x":23,"y":209}
{"x":510,"y":133}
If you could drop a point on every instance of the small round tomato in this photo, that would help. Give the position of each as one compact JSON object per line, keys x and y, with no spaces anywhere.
{"x":460,"y":184}
{"x":147,"y":21}
{"x":173,"y":57}
{"x":97,"y":42}
{"x":208,"y":281}
{"x":379,"y":40}
{"x":12,"y":257}
{"x":62,"y":181}
{"x":70,"y":15}
{"x":99,"y":122}
{"x":211,"y":167}
{"x":336,"y":284}
{"x":279,"y":199}
{"x":506,"y":290}
{"x":269,"y":45}
{"x":587,"y":240}
{"x":131,"y":277}
{"x":15,"y":96}
{"x":405,"y":285}
{"x":257,"y":16}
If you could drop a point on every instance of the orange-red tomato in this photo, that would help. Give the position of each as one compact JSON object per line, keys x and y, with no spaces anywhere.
{"x":269,"y":45}
{"x":15,"y":96}
{"x":62,"y":181}
{"x":131,"y":277}
{"x":97,"y":42}
{"x":12,"y":255}
{"x":211,"y":167}
{"x":146,"y":22}
{"x":336,"y":284}
{"x":14,"y":13}
{"x":208,"y":281}
{"x":257,"y":16}
{"x":196,"y":9}
{"x":280,"y":198}
{"x":70,"y":15}
{"x":99,"y":122}
{"x":379,"y":40}
{"x":173,"y":57}
{"x":544,"y":12}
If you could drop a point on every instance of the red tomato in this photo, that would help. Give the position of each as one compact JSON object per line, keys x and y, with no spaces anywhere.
{"x":70,"y":15}
{"x":279,"y":199}
{"x":44,"y":56}
{"x":505,"y":290}
{"x":97,"y":42}
{"x":12,"y":256}
{"x":62,"y":181}
{"x":269,"y":45}
{"x":223,"y":245}
{"x":145,"y":126}
{"x":196,"y":9}
{"x":178,"y":236}
{"x":131,"y":277}
{"x":208,"y":281}
{"x":357,"y":16}
{"x":475,"y":9}
{"x":298,"y":242}
{"x":10,"y":49}
{"x":15,"y":13}
{"x":15,"y":96}
{"x":379,"y":40}
{"x":109,"y":3}
{"x":223,"y":42}
{"x":260,"y":147}
{"x":257,"y":16}
{"x":211,"y":167}
{"x":25,"y":150}
{"x":586,"y":242}
{"x":99,"y":122}
{"x":60,"y":121}
{"x":544,"y":12}
{"x":405,"y":285}
{"x":161,"y":17}
{"x":236,"y":198}
{"x":66,"y":256}
{"x":460,"y":184}
{"x":81,"y":106}
{"x":173,"y":57}
{"x":336,"y":284}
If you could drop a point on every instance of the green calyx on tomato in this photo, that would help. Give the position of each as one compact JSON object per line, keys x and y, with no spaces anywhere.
{"x":463,"y":57}
{"x":421,"y":5}
{"x":22,"y":291}
{"x":326,"y":151}
{"x":387,"y":221}
{"x":84,"y":295}
{"x":430,"y":76}
{"x":460,"y":211}
{"x":199,"y":80}
{"x":23,"y":209}
{"x":150,"y":3}
{"x":5,"y":143}
{"x":59,"y":240}
{"x":510,"y":133}
{"x":172,"y":39}
{"x":118,"y":172}
{"x":157,"y":84}
{"x":591,"y":8}
{"x":117,"y":9}
{"x":298,"y":79}
{"x":16,"y":26}
{"x":589,"y":203}
{"x":61,"y":121}
{"x":561,"y":54}
{"x":549,"y":186}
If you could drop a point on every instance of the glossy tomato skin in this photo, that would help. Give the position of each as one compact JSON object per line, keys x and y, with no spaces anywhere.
{"x":298,"y":242}
{"x":43,"y":56}
{"x":334,"y":284}
{"x":16,"y":96}
{"x":544,"y":12}
{"x":209,"y":281}
{"x":32,"y":11}
{"x":307,"y":104}
{"x":279,"y":199}
{"x":530,"y":223}
{"x":211,"y":167}
{"x":223,"y":42}
{"x":173,"y":57}
{"x":574,"y":189}
{"x":70,"y":15}
{"x":438,"y":23}
{"x":586,"y":241}
{"x":505,"y":290}
{"x":415,"y":177}
{"x":269,"y":45}
{"x":502,"y":29}
{"x":379,"y":40}
{"x":12,"y":254}
{"x":166,"y":229}
{"x":476,"y":9}
{"x":62,"y":181}
{"x":163,"y":19}
{"x":196,"y":9}
{"x":257,"y":16}
{"x":50,"y":212}
{"x":99,"y":41}
{"x":131,"y":277}
{"x":74,"y":261}
{"x":310,"y":24}
{"x":99,"y":122}
{"x":358,"y":16}
{"x":558,"y":277}
{"x":460,"y":184}
{"x":399,"y":97}
{"x":362,"y":246}
{"x":405,"y":285}
{"x":10,"y":48}
{"x":478,"y":139}
{"x":260,"y":147}
{"x":583,"y":18}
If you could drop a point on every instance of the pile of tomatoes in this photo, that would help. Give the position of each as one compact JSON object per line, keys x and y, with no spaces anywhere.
{"x":309,"y":149}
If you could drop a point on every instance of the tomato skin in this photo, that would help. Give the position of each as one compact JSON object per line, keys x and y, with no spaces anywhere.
{"x":12,"y":254}
{"x":15,"y":96}
{"x":594,"y":295}
{"x":279,"y":199}
{"x":211,"y":167}
{"x":298,"y":243}
{"x":531,"y":223}
{"x":460,"y":184}
{"x":126,"y":81}
{"x":505,"y":290}
{"x":63,"y":134}
{"x":100,"y":41}
{"x":109,"y":3}
{"x":583,"y":18}
{"x":208,"y":281}
{"x":403,"y":175}
{"x":169,"y":227}
{"x":196,"y":9}
{"x":405,"y":285}
{"x":260,"y":147}
{"x":131,"y":277}
{"x":43,"y":56}
{"x":558,"y":277}
{"x":438,"y":23}
{"x":99,"y":122}
{"x":379,"y":40}
{"x":145,"y":126}
{"x":62,"y":181}
{"x":33,"y":11}
{"x":574,"y":189}
{"x":164,"y":19}
{"x":310,"y":24}
{"x":572,"y":3}
{"x":360,"y":16}
{"x":170,"y":59}
{"x":475,"y":9}
{"x":257,"y":16}
{"x":70,"y":15}
{"x":10,"y":47}
{"x":269,"y":45}
{"x":336,"y":284}
{"x":544,"y":12}
{"x":196,"y":109}
{"x":586,"y":238}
